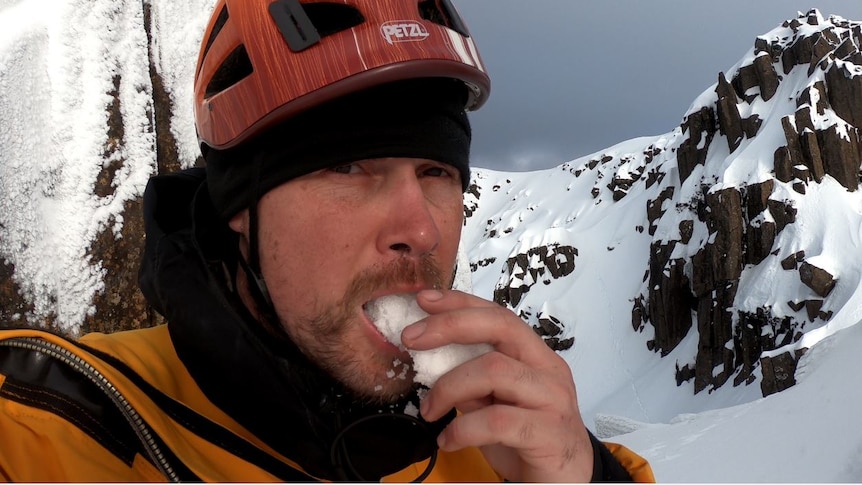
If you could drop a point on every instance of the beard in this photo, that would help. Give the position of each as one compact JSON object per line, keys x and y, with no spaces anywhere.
{"x":327,"y":338}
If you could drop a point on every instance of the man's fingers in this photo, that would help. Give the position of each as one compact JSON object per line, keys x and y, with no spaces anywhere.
{"x":456,"y":317}
{"x":517,"y":402}
{"x":495,"y":377}
{"x":440,"y":300}
{"x":491,"y":425}
{"x":529,"y":431}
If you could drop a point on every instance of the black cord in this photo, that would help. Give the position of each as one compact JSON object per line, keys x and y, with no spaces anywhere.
{"x":266,"y":313}
{"x":339,"y":454}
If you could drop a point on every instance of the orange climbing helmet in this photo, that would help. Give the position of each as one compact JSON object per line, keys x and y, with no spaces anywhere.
{"x":264,"y":61}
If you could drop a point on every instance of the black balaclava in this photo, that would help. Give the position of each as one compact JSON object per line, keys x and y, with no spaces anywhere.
{"x":417,"y":118}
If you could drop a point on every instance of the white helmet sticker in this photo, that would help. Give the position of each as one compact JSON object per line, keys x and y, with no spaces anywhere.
{"x":403,"y":31}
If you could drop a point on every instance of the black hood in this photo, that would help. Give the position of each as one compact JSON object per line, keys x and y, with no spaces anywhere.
{"x":264,"y":383}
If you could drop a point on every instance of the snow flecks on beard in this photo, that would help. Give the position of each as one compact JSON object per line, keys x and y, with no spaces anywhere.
{"x":399,"y":370}
{"x":411,"y":410}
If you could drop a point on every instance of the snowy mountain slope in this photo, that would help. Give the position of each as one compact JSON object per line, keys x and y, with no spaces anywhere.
{"x":728,"y":245}
{"x":808,"y":433}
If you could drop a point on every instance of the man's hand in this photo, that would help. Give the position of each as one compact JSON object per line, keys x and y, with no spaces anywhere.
{"x":517,"y":403}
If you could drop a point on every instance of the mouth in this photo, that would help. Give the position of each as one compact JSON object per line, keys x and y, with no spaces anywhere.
{"x":384,"y":317}
{"x":379,"y":337}
{"x":390,"y":314}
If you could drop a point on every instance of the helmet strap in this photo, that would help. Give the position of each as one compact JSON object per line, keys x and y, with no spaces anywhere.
{"x":251,"y":267}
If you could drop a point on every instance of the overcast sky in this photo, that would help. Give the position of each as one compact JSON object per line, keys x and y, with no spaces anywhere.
{"x":571,"y":77}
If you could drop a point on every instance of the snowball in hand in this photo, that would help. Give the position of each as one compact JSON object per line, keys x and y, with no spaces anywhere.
{"x":392,"y":313}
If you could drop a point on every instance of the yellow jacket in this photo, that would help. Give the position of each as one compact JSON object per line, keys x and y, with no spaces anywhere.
{"x":47,"y":435}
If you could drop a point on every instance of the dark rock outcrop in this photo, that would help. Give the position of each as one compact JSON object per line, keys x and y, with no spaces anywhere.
{"x":702,"y":127}
{"x":817,"y":279}
{"x":729,"y":121}
{"x":745,"y":222}
{"x":670,"y":297}
{"x":654,"y":209}
{"x":760,"y":74}
{"x":539,"y":264}
{"x":845,"y":89}
{"x":779,"y":372}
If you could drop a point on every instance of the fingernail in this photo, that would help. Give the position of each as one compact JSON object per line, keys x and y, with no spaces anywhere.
{"x":414,"y":331}
{"x":441,"y":441}
{"x":432,"y":295}
{"x":423,"y":407}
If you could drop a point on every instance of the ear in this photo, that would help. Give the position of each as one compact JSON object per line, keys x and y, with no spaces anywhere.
{"x":239,"y":222}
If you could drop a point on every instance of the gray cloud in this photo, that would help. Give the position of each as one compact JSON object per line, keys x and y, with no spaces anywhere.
{"x":573,"y":77}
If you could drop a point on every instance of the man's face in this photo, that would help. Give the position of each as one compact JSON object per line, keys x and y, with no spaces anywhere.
{"x":333,"y":240}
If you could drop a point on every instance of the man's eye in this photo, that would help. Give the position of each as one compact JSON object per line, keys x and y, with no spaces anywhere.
{"x":345,"y":169}
{"x":436,"y":172}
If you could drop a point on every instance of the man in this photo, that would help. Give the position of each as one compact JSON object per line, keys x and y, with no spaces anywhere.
{"x":337,"y":147}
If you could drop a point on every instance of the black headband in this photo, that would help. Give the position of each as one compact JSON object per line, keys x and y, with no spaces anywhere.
{"x":420,"y":118}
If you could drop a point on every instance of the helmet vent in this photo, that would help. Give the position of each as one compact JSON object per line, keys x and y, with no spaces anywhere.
{"x":442,"y":12}
{"x":331,"y":18}
{"x":219,"y":24}
{"x":303,"y":25}
{"x":234,"y":69}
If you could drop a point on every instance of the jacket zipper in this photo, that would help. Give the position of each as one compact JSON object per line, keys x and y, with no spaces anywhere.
{"x":83,"y":367}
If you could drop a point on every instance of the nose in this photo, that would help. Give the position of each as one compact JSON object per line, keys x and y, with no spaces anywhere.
{"x":409,"y":227}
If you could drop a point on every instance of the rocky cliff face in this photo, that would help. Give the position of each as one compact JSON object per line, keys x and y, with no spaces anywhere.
{"x":732,"y":262}
{"x":93,"y":120}
{"x":821,"y":139}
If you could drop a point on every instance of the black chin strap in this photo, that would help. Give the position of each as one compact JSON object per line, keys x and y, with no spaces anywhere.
{"x":257,"y":286}
{"x":252,"y":266}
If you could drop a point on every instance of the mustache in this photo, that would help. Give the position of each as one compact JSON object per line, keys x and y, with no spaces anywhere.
{"x":400,"y":272}
{"x":334,"y":322}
